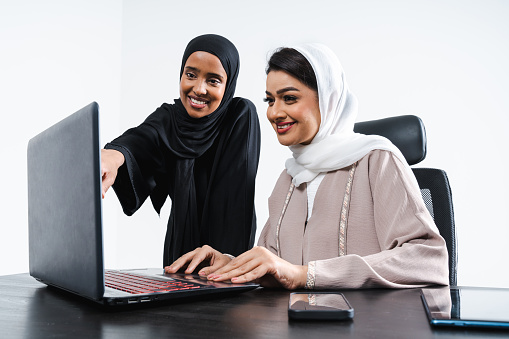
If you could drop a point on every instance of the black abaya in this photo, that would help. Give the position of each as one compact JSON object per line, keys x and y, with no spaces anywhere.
{"x":207,"y":166}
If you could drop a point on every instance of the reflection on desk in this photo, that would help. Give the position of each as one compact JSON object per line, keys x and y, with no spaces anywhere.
{"x":29,"y":309}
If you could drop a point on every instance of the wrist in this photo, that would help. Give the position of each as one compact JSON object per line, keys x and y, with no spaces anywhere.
{"x":303,"y":276}
{"x":310,"y":276}
{"x":117,"y":157}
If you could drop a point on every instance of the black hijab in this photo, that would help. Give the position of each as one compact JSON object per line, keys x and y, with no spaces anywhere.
{"x":189,"y":137}
{"x":186,"y":138}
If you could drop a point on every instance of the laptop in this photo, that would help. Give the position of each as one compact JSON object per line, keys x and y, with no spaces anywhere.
{"x":65,"y":223}
{"x":480,"y":307}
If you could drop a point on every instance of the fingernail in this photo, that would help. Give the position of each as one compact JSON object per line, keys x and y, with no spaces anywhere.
{"x":202,"y":273}
{"x":213,"y":276}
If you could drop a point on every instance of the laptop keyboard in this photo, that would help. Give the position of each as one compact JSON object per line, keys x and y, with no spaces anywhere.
{"x":138,"y":284}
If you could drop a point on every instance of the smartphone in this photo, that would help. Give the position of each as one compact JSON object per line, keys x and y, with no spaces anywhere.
{"x":319,"y":306}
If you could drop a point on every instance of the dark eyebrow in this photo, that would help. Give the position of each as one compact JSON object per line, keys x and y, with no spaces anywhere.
{"x":190,"y":68}
{"x":282,"y":90}
{"x":215,"y":75}
{"x":286,"y":89}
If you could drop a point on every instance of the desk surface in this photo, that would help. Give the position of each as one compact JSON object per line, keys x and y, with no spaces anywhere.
{"x":29,"y":309}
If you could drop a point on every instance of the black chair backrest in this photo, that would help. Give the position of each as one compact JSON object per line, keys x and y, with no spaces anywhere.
{"x":407,"y":132}
{"x":437,"y":196}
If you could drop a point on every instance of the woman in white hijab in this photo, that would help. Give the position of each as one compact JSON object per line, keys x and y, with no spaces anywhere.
{"x":347,"y":212}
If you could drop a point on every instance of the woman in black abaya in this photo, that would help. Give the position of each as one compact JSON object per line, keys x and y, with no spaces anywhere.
{"x":202,"y":152}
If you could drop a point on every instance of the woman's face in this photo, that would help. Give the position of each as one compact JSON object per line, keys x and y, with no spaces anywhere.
{"x":293,"y":109}
{"x":202,"y":84}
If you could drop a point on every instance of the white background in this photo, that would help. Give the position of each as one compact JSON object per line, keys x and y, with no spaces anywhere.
{"x":445,"y":61}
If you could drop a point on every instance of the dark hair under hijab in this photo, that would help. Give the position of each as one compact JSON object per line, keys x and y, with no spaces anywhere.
{"x":291,"y":61}
{"x":206,"y":165}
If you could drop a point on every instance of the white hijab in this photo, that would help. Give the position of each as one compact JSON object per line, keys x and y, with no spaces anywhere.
{"x":335,"y":145}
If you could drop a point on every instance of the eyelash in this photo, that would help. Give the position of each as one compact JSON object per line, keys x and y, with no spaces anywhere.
{"x":286,"y":99}
{"x":213,"y":82}
{"x":289,"y":98}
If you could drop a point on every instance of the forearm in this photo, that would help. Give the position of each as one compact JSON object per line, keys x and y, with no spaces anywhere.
{"x":130,"y":185}
{"x":409,"y":266}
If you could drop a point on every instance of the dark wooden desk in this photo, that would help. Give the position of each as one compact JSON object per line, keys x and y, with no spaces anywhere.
{"x":29,"y":309}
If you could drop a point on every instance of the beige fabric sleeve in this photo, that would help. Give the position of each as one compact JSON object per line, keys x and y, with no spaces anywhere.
{"x":266,"y":240}
{"x":413,"y":254}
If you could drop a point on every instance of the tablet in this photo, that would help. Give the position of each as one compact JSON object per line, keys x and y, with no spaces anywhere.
{"x":467,"y":306}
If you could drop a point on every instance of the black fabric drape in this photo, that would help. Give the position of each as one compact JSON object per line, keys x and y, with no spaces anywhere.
{"x":206,"y":165}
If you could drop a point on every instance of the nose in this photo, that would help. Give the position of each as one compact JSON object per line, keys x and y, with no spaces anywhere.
{"x":276,"y":111}
{"x":200,"y":88}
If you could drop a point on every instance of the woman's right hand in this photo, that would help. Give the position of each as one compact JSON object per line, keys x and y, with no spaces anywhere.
{"x":215,"y":259}
{"x":111,"y":161}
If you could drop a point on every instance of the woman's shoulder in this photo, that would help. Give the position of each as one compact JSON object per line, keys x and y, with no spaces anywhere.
{"x":242,"y":114}
{"x":373,"y":161}
{"x":385,"y":166}
{"x":161,"y":113}
{"x":379,"y":158}
{"x":282,"y":184}
{"x":242,"y":106}
{"x":284,"y":178}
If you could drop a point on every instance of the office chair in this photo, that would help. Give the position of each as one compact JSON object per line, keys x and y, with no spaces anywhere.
{"x":408,"y":134}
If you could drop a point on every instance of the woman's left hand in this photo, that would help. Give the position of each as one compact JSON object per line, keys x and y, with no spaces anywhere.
{"x":263,"y":267}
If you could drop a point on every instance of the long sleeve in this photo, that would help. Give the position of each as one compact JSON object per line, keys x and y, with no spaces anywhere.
{"x":411,"y":251}
{"x":144,"y":166}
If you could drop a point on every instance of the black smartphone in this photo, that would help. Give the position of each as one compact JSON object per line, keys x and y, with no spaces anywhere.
{"x":319,"y":306}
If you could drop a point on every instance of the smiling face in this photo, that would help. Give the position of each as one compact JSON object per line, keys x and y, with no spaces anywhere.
{"x":202,"y":84}
{"x":293,"y":109}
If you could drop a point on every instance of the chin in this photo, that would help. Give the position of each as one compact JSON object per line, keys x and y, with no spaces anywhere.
{"x":197,"y":113}
{"x":285,"y":142}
